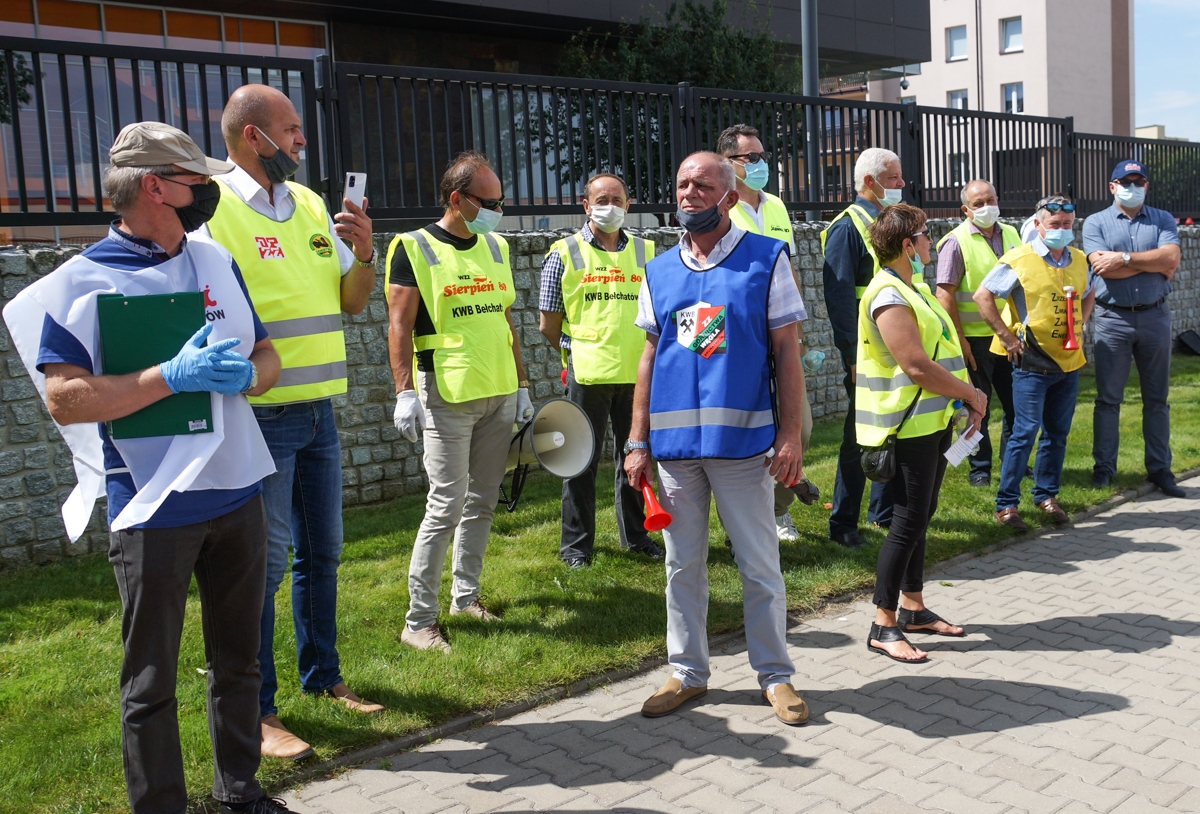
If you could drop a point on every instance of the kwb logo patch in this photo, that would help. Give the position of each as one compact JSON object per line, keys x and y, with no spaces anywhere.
{"x":269,"y":248}
{"x":701,"y":328}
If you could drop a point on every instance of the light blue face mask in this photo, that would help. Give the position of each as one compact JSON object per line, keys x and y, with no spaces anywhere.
{"x":757,"y":175}
{"x":1130,"y":196}
{"x":890,"y":197}
{"x":485,"y":220}
{"x":1058,"y":238}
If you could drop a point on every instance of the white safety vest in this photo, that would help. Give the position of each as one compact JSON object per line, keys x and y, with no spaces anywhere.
{"x":233,"y":456}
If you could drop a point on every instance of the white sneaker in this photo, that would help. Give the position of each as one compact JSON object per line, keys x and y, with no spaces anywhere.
{"x":786,"y":529}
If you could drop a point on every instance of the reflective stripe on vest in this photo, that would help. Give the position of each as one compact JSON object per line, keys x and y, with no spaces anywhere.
{"x":860,"y":218}
{"x":711,"y":416}
{"x":292,"y":273}
{"x":600,"y":291}
{"x":978,"y":260}
{"x":1042,"y":327}
{"x":466,"y":294}
{"x":883,"y":392}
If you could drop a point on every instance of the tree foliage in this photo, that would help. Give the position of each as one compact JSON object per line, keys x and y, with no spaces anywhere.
{"x":690,"y":43}
{"x":22,"y":80}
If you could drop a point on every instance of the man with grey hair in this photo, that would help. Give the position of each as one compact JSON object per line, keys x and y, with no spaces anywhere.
{"x":179,"y":504}
{"x":850,"y":263}
{"x":717,"y":310}
{"x":965,"y":256}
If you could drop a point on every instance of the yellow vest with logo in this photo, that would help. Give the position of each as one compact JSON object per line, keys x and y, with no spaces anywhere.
{"x":600,"y":292}
{"x":292,"y":273}
{"x":776,"y":221}
{"x":978,"y":260}
{"x":1044,"y":328}
{"x":466,"y":294}
{"x":860,"y":218}
{"x":883,"y":391}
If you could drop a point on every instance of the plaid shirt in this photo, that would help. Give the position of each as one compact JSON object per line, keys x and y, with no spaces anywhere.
{"x":550,"y":298}
{"x":951,"y":268}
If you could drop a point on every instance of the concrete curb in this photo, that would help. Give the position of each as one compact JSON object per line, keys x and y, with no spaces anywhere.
{"x":474,"y":720}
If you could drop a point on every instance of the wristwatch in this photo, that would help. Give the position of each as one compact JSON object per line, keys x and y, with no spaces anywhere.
{"x":523,"y":383}
{"x":253,"y":379}
{"x":1125,"y":257}
{"x":369,"y":261}
{"x":631,"y":445}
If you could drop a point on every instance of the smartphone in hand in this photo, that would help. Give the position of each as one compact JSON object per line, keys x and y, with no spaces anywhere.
{"x":355,"y":189}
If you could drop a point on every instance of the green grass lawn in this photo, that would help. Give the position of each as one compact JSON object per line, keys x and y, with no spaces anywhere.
{"x":60,"y":624}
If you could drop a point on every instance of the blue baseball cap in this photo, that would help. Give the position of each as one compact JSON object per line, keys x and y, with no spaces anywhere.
{"x":1128,"y":167}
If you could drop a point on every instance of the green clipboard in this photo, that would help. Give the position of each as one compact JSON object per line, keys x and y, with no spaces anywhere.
{"x":140,"y":332}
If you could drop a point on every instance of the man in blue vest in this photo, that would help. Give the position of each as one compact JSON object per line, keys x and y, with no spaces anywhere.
{"x":720,"y":313}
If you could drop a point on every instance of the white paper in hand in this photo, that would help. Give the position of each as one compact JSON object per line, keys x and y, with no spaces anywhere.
{"x":962,"y":447}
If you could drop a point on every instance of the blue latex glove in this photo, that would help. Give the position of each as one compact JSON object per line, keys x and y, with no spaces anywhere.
{"x":214,"y":369}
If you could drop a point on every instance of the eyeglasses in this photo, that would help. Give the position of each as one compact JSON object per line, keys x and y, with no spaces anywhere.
{"x":1127,"y":182}
{"x":922,"y":233}
{"x":1057,"y":207}
{"x":494,"y":204}
{"x":753,"y":157}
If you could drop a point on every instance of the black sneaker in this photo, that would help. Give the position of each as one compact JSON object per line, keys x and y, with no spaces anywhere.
{"x":1029,"y":472}
{"x":649,"y":548}
{"x":263,"y":805}
{"x":1101,"y":480}
{"x":1165,"y":481}
{"x":577,"y":563}
{"x":848,"y":539}
{"x":980,"y":480}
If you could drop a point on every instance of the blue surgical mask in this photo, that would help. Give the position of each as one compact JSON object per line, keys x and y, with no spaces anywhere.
{"x":485,"y":220}
{"x":1058,"y":238}
{"x":702,"y":222}
{"x":890,"y":197}
{"x":1130,"y":196}
{"x":757,"y":175}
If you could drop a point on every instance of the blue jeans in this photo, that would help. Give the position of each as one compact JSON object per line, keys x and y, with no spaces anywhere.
{"x":303,"y":501}
{"x":1045,"y":402}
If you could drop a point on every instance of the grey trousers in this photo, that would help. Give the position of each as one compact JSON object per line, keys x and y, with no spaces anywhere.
{"x":154,"y":568}
{"x":742,"y":489}
{"x":1142,"y":337}
{"x":466,"y":445}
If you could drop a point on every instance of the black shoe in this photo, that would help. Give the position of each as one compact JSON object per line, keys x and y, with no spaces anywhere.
{"x":1101,"y":480}
{"x":1029,"y":472}
{"x":577,"y":563}
{"x":649,"y":548}
{"x":728,"y":542}
{"x":1165,"y":481}
{"x":263,"y":805}
{"x":980,"y":480}
{"x":848,"y":539}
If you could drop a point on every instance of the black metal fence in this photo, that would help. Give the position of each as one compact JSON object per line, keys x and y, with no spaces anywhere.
{"x":62,"y":103}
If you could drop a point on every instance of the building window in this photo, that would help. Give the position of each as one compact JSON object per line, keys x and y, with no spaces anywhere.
{"x":908,"y":100}
{"x":1010,"y":36}
{"x":129,"y":25}
{"x":956,"y":43}
{"x":1014,"y":97}
{"x":16,"y":18}
{"x":957,"y":99}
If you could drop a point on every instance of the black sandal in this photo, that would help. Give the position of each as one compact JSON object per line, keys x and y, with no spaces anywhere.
{"x":921,"y":618}
{"x":888,"y":635}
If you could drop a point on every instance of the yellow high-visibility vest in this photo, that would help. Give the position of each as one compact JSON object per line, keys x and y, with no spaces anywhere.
{"x":776,"y":221}
{"x":600,"y":292}
{"x":292,"y":273}
{"x":978,"y":260}
{"x":1044,"y":326}
{"x":466,"y":294}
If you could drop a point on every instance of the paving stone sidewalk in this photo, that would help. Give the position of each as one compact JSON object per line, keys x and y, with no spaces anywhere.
{"x":1077,"y":689}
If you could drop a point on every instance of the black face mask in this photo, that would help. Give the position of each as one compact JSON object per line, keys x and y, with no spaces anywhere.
{"x":278,"y":167}
{"x":702,"y":222}
{"x":205,"y":198}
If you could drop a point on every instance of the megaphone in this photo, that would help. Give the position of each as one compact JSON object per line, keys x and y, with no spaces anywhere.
{"x":559,"y":438}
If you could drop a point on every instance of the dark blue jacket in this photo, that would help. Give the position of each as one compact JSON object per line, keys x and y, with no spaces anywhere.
{"x":847,"y":264}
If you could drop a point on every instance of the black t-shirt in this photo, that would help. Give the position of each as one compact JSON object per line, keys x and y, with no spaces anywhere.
{"x":402,"y":274}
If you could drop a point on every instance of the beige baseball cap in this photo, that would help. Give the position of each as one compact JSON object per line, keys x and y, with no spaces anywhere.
{"x":154,"y":144}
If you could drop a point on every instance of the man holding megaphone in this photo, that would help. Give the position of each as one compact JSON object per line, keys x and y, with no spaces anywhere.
{"x":588,"y":302}
{"x":720,"y":313}
{"x":450,"y":290}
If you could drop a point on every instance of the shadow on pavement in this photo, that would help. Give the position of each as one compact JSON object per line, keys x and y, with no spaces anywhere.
{"x":1118,"y":632}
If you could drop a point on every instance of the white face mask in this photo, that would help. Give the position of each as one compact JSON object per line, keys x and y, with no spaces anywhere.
{"x":890,"y":197}
{"x":985,"y":216}
{"x":608,"y":218}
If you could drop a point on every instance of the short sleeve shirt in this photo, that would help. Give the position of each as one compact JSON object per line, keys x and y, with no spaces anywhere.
{"x":1112,"y":230}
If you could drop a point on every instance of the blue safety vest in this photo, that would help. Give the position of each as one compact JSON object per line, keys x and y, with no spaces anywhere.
{"x":712,"y":391}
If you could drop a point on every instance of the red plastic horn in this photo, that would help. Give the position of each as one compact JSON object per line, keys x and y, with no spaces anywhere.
{"x":657,"y":518}
{"x":1070,"y":343}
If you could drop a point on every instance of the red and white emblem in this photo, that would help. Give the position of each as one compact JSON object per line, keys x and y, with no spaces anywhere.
{"x":269,"y":248}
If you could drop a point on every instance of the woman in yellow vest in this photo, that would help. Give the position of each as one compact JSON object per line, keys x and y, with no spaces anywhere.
{"x":450,"y":289}
{"x":910,"y":381}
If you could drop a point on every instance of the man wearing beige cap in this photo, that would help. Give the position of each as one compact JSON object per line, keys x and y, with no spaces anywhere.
{"x":178,"y":505}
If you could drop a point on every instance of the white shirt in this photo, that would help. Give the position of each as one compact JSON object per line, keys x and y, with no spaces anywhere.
{"x":756,"y":217}
{"x":279,"y":206}
{"x":784,"y":303}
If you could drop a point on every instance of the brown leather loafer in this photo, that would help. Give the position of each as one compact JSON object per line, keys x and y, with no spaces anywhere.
{"x":346,"y":696}
{"x":1009,"y":517}
{"x":277,"y":741}
{"x":1050,"y":506}
{"x":789,"y":707}
{"x":668,"y":699}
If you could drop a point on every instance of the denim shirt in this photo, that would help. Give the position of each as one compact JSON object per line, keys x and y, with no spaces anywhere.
{"x":1112,"y":230}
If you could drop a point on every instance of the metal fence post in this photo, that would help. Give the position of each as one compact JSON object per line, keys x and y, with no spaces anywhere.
{"x":686,"y":136}
{"x":1068,"y":156}
{"x":910,"y":154}
{"x":326,"y":93}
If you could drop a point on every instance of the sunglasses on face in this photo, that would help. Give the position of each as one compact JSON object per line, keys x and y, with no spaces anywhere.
{"x":1056,"y":207}
{"x":922,"y":233}
{"x":1126,"y":182}
{"x":751,"y":158}
{"x":494,"y":204}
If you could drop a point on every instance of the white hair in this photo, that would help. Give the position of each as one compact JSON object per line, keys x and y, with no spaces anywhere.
{"x":725,"y":173}
{"x":873,"y":162}
{"x":122,"y":184}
